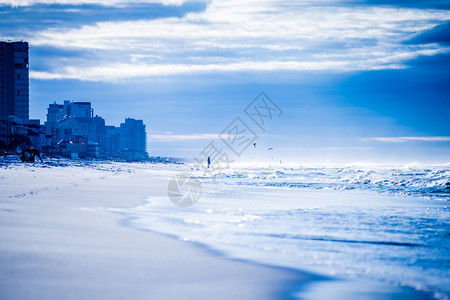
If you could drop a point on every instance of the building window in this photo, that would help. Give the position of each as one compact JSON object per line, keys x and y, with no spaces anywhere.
{"x":18,"y":92}
{"x":18,"y":76}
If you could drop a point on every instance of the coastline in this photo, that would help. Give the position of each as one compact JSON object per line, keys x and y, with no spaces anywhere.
{"x":55,"y":244}
{"x":57,"y":241}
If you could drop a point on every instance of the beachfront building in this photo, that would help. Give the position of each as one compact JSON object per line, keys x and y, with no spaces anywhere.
{"x":133,"y":139}
{"x":14,"y":92}
{"x":92,"y":128}
{"x":73,"y":123}
{"x":78,"y":109}
{"x":15,"y":123}
{"x":134,"y":135}
{"x":55,"y":112}
{"x":127,"y":141}
{"x":113,"y":141}
{"x":14,"y":81}
{"x":73,"y":128}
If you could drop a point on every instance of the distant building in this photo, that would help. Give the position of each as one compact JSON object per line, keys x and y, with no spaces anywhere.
{"x":134,"y":135}
{"x":5,"y":130}
{"x":73,"y":129}
{"x":113,"y":141}
{"x":92,"y":128}
{"x":129,"y":141}
{"x":55,"y":112}
{"x":78,"y":109}
{"x":14,"y":80}
{"x":14,"y":90}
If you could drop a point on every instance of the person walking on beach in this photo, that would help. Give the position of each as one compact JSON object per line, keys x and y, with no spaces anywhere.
{"x":209,"y":162}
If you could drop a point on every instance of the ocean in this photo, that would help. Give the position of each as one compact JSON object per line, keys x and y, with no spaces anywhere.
{"x":379,"y":223}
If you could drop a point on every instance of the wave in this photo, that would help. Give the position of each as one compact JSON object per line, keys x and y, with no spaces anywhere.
{"x":329,"y":239}
{"x":428,"y":182}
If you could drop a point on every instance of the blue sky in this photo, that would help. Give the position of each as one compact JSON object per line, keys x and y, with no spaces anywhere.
{"x":357,"y":81}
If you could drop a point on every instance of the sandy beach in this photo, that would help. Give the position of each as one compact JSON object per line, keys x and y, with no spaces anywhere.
{"x":224,"y":150}
{"x":53,"y":246}
{"x":57,"y":241}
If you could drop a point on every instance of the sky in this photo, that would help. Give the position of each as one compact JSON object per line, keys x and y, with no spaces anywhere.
{"x":345,"y":81}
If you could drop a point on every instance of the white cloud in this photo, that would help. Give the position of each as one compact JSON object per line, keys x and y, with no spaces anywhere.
{"x":245,"y":36}
{"x":17,"y":3}
{"x":344,"y":148}
{"x":405,"y":139}
{"x":116,"y":71}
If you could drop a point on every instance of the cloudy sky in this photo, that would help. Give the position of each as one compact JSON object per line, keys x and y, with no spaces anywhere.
{"x":354,"y":80}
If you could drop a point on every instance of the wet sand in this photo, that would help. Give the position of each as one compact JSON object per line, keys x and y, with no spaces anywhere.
{"x":57,"y":241}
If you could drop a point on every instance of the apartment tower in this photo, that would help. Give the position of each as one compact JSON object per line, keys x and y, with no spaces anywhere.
{"x":14,"y":80}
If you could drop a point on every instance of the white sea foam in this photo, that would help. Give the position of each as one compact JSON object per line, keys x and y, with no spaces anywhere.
{"x":408,"y":180}
{"x":387,"y":224}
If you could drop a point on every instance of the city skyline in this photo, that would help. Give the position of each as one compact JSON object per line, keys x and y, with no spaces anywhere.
{"x":72,"y":129}
{"x":358,"y":81}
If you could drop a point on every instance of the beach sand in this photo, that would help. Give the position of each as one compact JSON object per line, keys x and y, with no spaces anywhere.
{"x":54,"y":244}
{"x":57,"y":241}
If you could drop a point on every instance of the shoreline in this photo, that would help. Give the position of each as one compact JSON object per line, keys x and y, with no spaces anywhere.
{"x":54,"y":245}
{"x":310,"y":285}
{"x":292,"y":287}
{"x":51,"y":251}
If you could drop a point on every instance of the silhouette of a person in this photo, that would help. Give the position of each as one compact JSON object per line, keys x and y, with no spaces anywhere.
{"x":209,"y":162}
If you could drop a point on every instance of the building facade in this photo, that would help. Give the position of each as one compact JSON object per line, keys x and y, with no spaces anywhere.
{"x":14,"y":80}
{"x":59,"y":112}
{"x":134,"y":135}
{"x":55,"y":112}
{"x":73,"y":127}
{"x":91,"y":128}
{"x":78,"y":109}
{"x":14,"y":88}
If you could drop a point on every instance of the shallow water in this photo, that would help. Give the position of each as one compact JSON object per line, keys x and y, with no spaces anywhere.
{"x":389,"y":225}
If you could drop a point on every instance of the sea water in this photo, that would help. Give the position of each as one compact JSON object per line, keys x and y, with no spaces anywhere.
{"x":384,"y":224}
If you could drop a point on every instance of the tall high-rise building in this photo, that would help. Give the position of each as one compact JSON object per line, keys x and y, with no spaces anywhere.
{"x":54,"y":114}
{"x":14,"y":80}
{"x":74,"y":118}
{"x":134,"y":135}
{"x":78,"y":109}
{"x":73,"y":128}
